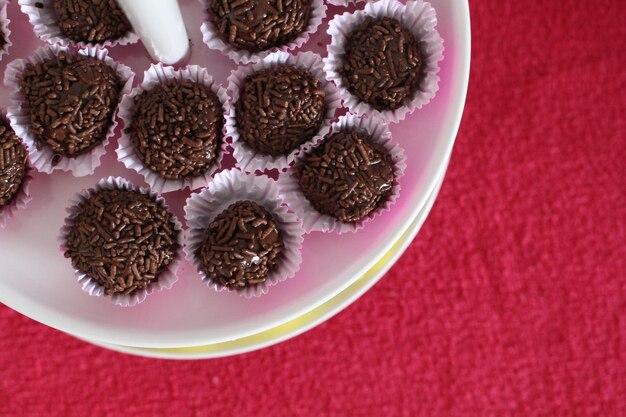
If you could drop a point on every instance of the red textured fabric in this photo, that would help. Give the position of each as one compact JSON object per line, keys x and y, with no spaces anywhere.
{"x":511,"y":301}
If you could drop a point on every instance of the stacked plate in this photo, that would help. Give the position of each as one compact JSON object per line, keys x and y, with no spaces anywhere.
{"x":190,"y":320}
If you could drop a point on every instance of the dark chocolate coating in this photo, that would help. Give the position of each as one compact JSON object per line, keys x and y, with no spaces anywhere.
{"x":279,"y":109}
{"x":71,"y":100}
{"x":13,"y":163}
{"x":383,"y":65}
{"x":177,"y":129}
{"x":241,"y":246}
{"x":257,"y":25}
{"x":122,"y":239}
{"x":347,"y":177}
{"x":91,"y":21}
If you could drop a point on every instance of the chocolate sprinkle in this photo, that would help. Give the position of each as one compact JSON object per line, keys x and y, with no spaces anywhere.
{"x":13,"y":163}
{"x":91,"y":21}
{"x":71,"y":99}
{"x":383,"y":63}
{"x":347,"y":177}
{"x":257,"y":25}
{"x":279,"y":109}
{"x":177,"y":129}
{"x":123,"y":240}
{"x":241,"y":246}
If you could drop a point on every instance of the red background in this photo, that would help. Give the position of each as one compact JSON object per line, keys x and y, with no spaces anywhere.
{"x":511,"y":301}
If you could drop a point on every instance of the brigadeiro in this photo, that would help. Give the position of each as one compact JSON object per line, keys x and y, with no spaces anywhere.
{"x":385,"y":58}
{"x":174,"y":127}
{"x":123,"y":242}
{"x":80,"y":22}
{"x":346,"y":180}
{"x":64,"y":106}
{"x":241,"y":236}
{"x":14,"y":173}
{"x":279,"y":106}
{"x":5,"y":33}
{"x":241,"y":246}
{"x":248,"y":30}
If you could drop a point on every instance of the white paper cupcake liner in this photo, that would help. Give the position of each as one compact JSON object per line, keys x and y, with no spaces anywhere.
{"x":247,"y":158}
{"x":45,"y":160}
{"x":313,"y":220}
{"x":155,"y":75}
{"x":420,"y":19}
{"x":4,"y":28}
{"x":227,"y":188}
{"x":166,"y":278}
{"x":21,"y":199}
{"x":213,"y":38}
{"x":46,"y":24}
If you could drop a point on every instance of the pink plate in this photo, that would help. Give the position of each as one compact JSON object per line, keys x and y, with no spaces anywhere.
{"x":37,"y":281}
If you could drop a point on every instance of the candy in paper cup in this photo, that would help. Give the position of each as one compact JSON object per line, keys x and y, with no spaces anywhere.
{"x":5,"y":32}
{"x":44,"y":159}
{"x":229,"y":187}
{"x":313,"y":220}
{"x":420,"y":19}
{"x":22,"y":198}
{"x":247,"y":158}
{"x":45,"y":21}
{"x":214,"y":40}
{"x":165,"y":279}
{"x":155,"y":75}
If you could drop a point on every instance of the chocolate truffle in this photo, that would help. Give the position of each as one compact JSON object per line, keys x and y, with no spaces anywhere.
{"x":279,"y":109}
{"x":257,"y":25}
{"x":91,"y":21}
{"x":382,"y":65}
{"x":241,"y":246}
{"x":122,"y":239}
{"x":177,"y":129}
{"x":71,"y":100}
{"x":13,"y":164}
{"x":347,"y":177}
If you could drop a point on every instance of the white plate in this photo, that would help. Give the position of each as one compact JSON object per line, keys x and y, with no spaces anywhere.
{"x":37,"y":281}
{"x":300,"y":324}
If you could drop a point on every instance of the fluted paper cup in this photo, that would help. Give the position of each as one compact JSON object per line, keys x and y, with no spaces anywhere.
{"x":247,"y":158}
{"x":44,"y":159}
{"x":313,"y":220}
{"x":45,"y":22}
{"x":155,"y":75}
{"x":420,"y":19}
{"x":165,"y":279}
{"x":229,"y":187}
{"x":214,"y":39}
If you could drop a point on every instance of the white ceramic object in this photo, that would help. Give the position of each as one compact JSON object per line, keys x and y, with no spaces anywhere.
{"x":190,"y":314}
{"x":161,"y":28}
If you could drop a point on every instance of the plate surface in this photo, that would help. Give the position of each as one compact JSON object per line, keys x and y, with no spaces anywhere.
{"x":300,"y":324}
{"x":36,"y":280}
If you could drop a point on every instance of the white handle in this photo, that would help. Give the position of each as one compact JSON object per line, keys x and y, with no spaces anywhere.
{"x":160,"y":26}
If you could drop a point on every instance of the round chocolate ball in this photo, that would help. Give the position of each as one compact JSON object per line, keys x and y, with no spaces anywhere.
{"x":347,"y":177}
{"x":382,"y":65}
{"x":122,"y":239}
{"x":91,"y":21}
{"x":279,"y":109}
{"x":177,"y":129}
{"x":13,"y":164}
{"x":242,"y":245}
{"x":257,"y":25}
{"x":71,"y":100}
